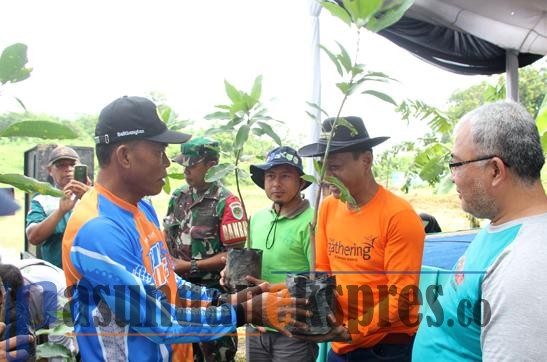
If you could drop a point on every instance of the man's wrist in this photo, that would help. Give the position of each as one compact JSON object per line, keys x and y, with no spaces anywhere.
{"x":58,"y":214}
{"x":194,"y":268}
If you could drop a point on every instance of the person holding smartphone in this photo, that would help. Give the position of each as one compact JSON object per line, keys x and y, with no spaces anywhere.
{"x":48,"y":215}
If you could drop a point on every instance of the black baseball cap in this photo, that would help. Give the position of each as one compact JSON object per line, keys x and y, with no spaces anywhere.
{"x":133,"y":118}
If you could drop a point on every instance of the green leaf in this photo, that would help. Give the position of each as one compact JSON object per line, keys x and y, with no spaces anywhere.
{"x":378,"y":77}
{"x":445,"y":185}
{"x":218,"y":172}
{"x":167,"y":186}
{"x":249,"y":102}
{"x":357,"y":69}
{"x":166,"y":113}
{"x":246,"y":158}
{"x":258,"y":131}
{"x":381,"y":95}
{"x":432,"y":170}
{"x":29,"y":185}
{"x":227,"y":128}
{"x":59,"y":330}
{"x":345,"y":196}
{"x":344,"y":58}
{"x":362,"y":10}
{"x":434,"y":151}
{"x":544,"y":141}
{"x":21,"y":103}
{"x":345,"y":87}
{"x":40,"y":129}
{"x":176,"y":176}
{"x":178,"y":124}
{"x":317,"y":107}
{"x":232,"y":92}
{"x":349,"y":88}
{"x":440,"y":123}
{"x":256,"y":91}
{"x":334,"y":59}
{"x":337,"y":11}
{"x":541,"y":120}
{"x":342,"y":122}
{"x":261,"y":113}
{"x":389,"y":17}
{"x":240,"y":108}
{"x":309,"y":178}
{"x":242,"y":174}
{"x":234,"y":122}
{"x":241,"y":137}
{"x":48,"y":350}
{"x":270,"y":132}
{"x":12,"y":64}
{"x":218,"y":115}
{"x":317,"y":165}
{"x":313,"y":116}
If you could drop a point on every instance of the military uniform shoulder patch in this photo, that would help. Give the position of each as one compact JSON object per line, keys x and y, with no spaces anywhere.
{"x":237,"y":210}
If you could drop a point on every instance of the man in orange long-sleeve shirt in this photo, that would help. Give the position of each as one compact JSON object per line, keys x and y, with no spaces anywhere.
{"x":374,"y":248}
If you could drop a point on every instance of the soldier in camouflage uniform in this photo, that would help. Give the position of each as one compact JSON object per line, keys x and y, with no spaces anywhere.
{"x":204,"y":220}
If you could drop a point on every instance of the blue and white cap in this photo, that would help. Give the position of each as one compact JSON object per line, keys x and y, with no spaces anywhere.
{"x":283,"y":155}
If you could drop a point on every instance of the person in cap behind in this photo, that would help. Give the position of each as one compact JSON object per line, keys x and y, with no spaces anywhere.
{"x":127,"y":302}
{"x":203,"y":221}
{"x":379,"y":245}
{"x":48,"y":215}
{"x":281,"y":231}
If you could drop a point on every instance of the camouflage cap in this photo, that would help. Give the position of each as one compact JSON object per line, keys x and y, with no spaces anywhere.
{"x":197,"y":150}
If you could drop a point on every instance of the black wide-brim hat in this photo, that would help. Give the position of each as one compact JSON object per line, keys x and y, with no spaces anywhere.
{"x":283,"y":155}
{"x":349,"y":135}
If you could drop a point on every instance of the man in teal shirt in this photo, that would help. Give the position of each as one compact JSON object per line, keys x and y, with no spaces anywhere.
{"x":492,"y":306}
{"x":48,"y":215}
{"x":282,"y":233}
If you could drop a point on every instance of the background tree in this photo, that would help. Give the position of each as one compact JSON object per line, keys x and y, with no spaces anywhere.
{"x":432,"y":150}
{"x":532,"y":90}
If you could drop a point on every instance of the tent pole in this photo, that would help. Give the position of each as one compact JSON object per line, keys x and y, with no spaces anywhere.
{"x":314,"y":91}
{"x":512,"y":75}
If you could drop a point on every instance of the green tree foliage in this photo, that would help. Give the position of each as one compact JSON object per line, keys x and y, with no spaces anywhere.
{"x":532,"y":90}
{"x":432,"y":150}
{"x":243,"y":118}
{"x":13,"y":69}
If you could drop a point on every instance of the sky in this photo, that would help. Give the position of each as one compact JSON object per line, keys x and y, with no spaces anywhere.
{"x":87,"y":53}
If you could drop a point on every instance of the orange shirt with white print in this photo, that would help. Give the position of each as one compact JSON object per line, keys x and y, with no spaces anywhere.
{"x":376,"y":254}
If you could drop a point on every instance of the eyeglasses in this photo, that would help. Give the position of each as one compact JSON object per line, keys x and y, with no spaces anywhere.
{"x":453,"y":165}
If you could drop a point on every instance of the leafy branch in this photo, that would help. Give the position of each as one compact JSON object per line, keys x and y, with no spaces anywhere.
{"x":13,"y":69}
{"x":373,"y":15}
{"x":244,"y":116}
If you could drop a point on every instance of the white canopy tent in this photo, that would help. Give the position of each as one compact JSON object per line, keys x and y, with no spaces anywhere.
{"x":475,"y":37}
{"x":462,"y":36}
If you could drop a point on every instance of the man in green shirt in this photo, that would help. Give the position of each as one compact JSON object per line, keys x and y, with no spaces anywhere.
{"x":48,"y":215}
{"x":203,"y":221}
{"x":282,"y":232}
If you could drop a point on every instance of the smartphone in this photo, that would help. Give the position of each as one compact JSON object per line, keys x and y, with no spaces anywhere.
{"x":80,"y":173}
